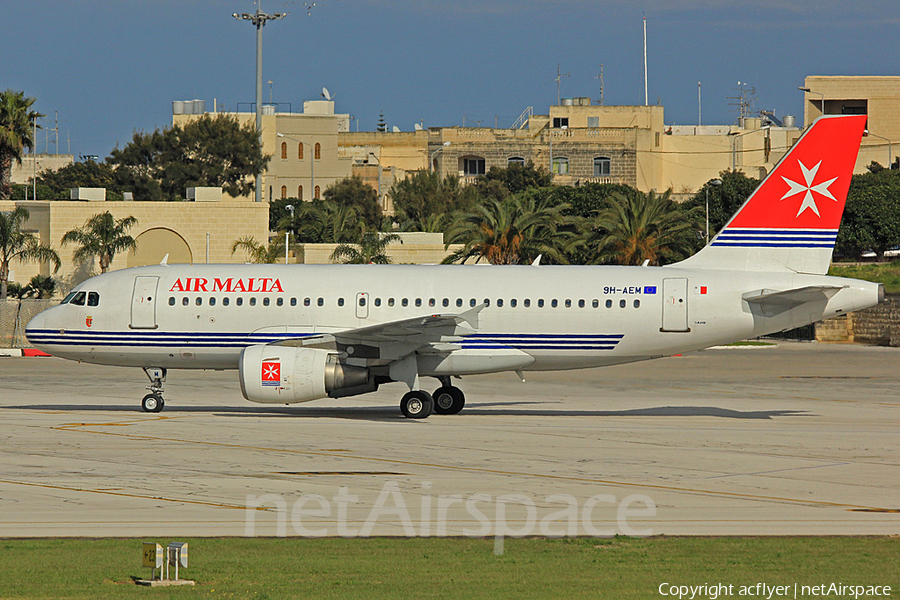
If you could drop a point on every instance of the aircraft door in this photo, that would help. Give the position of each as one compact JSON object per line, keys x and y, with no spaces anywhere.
{"x":675,"y":308}
{"x":362,"y":305}
{"x":143,"y":303}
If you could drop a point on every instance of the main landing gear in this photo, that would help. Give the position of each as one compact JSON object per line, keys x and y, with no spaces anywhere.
{"x":154,"y":402}
{"x":446,"y":400}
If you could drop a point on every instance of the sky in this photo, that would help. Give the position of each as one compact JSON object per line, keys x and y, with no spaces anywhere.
{"x":109,"y":68}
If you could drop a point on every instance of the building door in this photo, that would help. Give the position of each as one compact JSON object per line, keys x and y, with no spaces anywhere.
{"x":143,"y":303}
{"x":675,"y":309}
{"x":362,"y":305}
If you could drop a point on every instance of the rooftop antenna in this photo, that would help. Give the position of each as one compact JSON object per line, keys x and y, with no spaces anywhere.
{"x":395,"y":129}
{"x":558,"y":76}
{"x":270,"y":91}
{"x":699,"y":107}
{"x":646,"y":101}
{"x":600,"y":77}
{"x":326,"y":94}
{"x":417,"y":127}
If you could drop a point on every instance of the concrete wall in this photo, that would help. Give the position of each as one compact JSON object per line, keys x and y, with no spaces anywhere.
{"x":32,"y":163}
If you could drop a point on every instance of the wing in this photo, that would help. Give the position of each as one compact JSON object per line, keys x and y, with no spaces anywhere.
{"x":387,"y":342}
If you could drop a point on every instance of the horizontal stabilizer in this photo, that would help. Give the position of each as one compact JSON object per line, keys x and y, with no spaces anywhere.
{"x":772,"y":302}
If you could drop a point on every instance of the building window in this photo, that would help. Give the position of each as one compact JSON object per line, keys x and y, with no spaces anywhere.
{"x":283,"y":150}
{"x":473,"y":165}
{"x":601,"y":166}
{"x":560,"y":122}
{"x":300,"y":151}
{"x":318,"y":151}
{"x":561,"y":165}
{"x":316,"y":193}
{"x":515,"y":160}
{"x":283,"y":192}
{"x":299,"y":192}
{"x":593,"y":121}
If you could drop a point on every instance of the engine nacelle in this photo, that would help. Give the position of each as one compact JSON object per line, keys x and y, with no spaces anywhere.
{"x":283,"y":375}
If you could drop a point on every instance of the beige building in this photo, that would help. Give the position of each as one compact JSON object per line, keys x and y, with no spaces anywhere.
{"x":303,"y":146}
{"x":37,"y":163}
{"x":189,"y":232}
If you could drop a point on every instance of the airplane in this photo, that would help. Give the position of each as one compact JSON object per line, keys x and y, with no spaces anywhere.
{"x":297,"y":333}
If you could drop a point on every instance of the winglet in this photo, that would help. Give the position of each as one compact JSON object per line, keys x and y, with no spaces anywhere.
{"x":537,"y":261}
{"x":165,"y":260}
{"x":471,"y":316}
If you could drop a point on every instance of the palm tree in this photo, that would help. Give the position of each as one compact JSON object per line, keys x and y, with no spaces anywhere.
{"x":23,"y":246}
{"x":41,"y":287}
{"x":322,"y":222}
{"x":16,"y":134}
{"x":260,"y":254}
{"x":631,"y":230}
{"x":102,"y":236}
{"x":370,"y":249}
{"x":511,"y":231}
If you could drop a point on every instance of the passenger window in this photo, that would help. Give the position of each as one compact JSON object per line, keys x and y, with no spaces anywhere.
{"x":198,"y":301}
{"x":622,"y":303}
{"x":320,"y":302}
{"x":513,"y":303}
{"x":499,"y":302}
{"x":445,"y":302}
{"x":78,"y":300}
{"x":362,"y":300}
{"x":390,"y":301}
{"x":266,"y":301}
{"x":431,"y":302}
{"x":171,"y":300}
{"x":472,"y":301}
{"x":253,"y":301}
{"x":418,"y":302}
{"x":185,"y":301}
{"x":239,"y":301}
{"x":637,"y":303}
{"x":293,"y":302}
{"x":306,"y":302}
{"x":405,"y":302}
{"x":554,"y":303}
{"x":487,"y":301}
{"x":459,"y":302}
{"x":340,"y":301}
{"x":93,"y":299}
{"x":581,"y":304}
{"x":527,"y":302}
{"x":280,"y":302}
{"x":377,"y":301}
{"x":226,"y":301}
{"x":540,"y":303}
{"x":609,"y":304}
{"x":568,"y":303}
{"x":212,"y":301}
{"x":595,"y":303}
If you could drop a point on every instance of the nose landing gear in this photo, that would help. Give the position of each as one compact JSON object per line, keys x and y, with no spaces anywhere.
{"x":154,"y":402}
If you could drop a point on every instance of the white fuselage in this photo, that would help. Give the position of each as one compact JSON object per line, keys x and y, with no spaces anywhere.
{"x":537,"y":318}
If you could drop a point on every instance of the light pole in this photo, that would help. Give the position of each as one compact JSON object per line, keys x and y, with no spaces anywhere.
{"x":258,"y":19}
{"x":890,"y":150}
{"x":287,"y":234}
{"x":821,"y":95}
{"x":436,"y":152}
{"x":717,"y":183}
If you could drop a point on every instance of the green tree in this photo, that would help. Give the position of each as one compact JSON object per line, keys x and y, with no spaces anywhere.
{"x":630,"y":230}
{"x":214,"y":151}
{"x":510,"y":232}
{"x":724,"y":200}
{"x":351,"y":191}
{"x":321,"y":222}
{"x":515,"y":177}
{"x":101,"y":237}
{"x":259,"y":253}
{"x":16,"y":134}
{"x":371,"y":249}
{"x":18,"y":244}
{"x":871,"y":216}
{"x":424,"y":194}
{"x":16,"y":290}
{"x":41,"y":287}
{"x":81,"y":174}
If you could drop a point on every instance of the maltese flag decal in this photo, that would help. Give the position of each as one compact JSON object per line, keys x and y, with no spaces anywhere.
{"x":271,"y":373}
{"x":800,"y":203}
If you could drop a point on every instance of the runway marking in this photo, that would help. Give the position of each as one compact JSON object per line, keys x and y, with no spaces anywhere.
{"x":123,"y":494}
{"x":666,"y":488}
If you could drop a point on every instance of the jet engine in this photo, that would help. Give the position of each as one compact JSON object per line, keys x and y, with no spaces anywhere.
{"x":284,"y":375}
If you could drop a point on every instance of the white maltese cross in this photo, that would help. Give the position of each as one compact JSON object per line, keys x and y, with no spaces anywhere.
{"x":809,"y":201}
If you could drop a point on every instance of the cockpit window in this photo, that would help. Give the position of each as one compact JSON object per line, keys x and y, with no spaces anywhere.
{"x":68,"y":298}
{"x":93,"y":299}
{"x":78,"y":300}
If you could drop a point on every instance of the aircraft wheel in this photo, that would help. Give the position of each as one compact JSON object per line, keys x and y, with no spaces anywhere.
{"x":153,"y":403}
{"x":416,"y":404}
{"x":448,"y":400}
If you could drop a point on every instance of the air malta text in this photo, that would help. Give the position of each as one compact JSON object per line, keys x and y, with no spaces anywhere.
{"x":263,"y":285}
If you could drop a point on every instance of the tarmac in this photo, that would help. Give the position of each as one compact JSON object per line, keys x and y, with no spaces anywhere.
{"x":800,"y":439}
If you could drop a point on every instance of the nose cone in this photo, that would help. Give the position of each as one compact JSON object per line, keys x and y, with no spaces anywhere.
{"x":36,"y":328}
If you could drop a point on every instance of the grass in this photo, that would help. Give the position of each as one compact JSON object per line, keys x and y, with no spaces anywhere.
{"x":272,"y":568}
{"x":886,"y":273}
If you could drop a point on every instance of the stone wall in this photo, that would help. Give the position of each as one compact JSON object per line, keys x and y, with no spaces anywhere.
{"x":878,"y":325}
